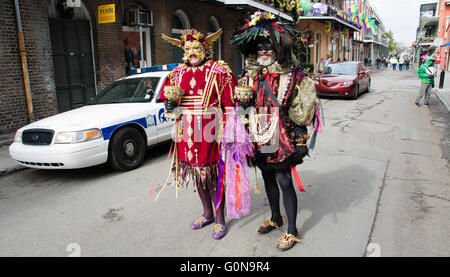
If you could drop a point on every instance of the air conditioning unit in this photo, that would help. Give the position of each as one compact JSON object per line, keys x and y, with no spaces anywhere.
{"x":139,"y":17}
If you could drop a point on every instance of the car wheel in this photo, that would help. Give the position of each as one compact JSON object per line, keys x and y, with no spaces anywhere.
{"x":355,"y":94}
{"x":127,"y":149}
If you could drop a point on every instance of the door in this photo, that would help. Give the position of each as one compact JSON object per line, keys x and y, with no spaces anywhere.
{"x":135,"y":39}
{"x":165,"y":126}
{"x":72,"y":62}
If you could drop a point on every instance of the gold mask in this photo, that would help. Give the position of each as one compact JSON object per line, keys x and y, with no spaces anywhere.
{"x":194,"y":43}
{"x":194,"y":48}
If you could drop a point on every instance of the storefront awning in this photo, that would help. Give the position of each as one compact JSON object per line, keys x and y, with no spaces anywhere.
{"x":330,"y":18}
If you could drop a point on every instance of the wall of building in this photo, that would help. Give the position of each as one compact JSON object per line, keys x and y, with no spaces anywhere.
{"x":13,"y":108}
{"x":444,"y":32}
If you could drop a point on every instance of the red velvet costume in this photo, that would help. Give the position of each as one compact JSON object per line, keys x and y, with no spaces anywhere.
{"x":208,"y":89}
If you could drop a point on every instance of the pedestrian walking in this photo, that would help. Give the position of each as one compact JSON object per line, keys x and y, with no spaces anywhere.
{"x":394,"y":63}
{"x":407,"y":61}
{"x":401,"y":63}
{"x":426,"y":74}
{"x":437,"y":62}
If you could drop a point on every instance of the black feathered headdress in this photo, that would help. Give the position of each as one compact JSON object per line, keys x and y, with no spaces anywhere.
{"x":264,"y":26}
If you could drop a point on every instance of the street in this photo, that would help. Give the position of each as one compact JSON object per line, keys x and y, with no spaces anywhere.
{"x":377,"y":184}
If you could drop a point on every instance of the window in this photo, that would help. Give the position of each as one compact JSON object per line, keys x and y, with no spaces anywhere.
{"x":128,"y":91}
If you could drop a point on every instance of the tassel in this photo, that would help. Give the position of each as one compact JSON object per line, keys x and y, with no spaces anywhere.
{"x":238,"y":187}
{"x":257,"y":191}
{"x":176,"y":174}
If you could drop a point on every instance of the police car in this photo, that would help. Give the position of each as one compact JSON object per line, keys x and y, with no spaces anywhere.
{"x":115,"y":127}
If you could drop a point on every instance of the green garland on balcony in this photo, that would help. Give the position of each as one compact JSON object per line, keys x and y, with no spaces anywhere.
{"x":287,"y":6}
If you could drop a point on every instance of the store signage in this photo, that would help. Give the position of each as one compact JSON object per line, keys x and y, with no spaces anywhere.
{"x":107,"y":13}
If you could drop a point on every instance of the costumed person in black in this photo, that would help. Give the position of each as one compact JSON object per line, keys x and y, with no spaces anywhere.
{"x":282,"y":104}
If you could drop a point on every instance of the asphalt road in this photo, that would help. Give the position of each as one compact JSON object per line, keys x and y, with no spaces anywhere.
{"x":376,"y":185}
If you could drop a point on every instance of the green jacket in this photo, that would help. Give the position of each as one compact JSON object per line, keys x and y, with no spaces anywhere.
{"x":425,"y":70}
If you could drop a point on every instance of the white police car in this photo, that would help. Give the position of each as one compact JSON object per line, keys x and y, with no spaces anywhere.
{"x":115,"y":127}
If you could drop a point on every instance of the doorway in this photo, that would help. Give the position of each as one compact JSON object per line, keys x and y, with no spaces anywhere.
{"x":137,"y":45}
{"x":73,"y":62}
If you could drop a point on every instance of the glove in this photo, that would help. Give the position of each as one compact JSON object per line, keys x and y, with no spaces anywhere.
{"x":170,"y":105}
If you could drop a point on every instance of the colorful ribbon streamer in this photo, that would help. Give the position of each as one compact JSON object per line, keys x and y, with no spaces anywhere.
{"x":297,"y":179}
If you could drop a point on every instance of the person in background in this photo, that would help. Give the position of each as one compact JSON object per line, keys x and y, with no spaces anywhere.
{"x":407,"y":61}
{"x":394,"y":62}
{"x":321,"y":66}
{"x":437,"y":62}
{"x":401,"y":63}
{"x":426,"y":74}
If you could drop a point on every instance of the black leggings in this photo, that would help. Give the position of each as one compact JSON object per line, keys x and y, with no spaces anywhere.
{"x":284,"y":179}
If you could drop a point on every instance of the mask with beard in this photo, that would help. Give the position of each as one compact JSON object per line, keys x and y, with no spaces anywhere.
{"x":265,"y":62}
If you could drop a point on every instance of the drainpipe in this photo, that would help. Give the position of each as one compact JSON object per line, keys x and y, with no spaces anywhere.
{"x":23,"y":59}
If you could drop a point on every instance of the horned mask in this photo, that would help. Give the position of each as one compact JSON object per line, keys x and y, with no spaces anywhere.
{"x":194,"y":43}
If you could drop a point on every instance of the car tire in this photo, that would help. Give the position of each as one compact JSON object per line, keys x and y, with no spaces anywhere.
{"x":127,"y":149}
{"x":356,"y":93}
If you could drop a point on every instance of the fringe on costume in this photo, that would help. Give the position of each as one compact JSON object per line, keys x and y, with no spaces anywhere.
{"x":204,"y":176}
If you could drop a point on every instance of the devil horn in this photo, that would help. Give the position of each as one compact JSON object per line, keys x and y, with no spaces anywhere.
{"x":172,"y":41}
{"x":213,"y":37}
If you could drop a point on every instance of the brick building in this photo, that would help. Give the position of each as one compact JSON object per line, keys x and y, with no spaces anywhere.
{"x":71,"y":56}
{"x":444,"y":33}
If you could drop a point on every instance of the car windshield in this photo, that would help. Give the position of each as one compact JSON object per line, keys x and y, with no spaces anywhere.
{"x":128,"y":91}
{"x":340,"y":69}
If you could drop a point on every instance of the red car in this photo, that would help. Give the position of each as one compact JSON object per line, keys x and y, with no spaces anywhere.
{"x":346,"y":79}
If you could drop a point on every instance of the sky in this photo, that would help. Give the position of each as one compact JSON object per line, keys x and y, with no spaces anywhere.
{"x":401,"y":17}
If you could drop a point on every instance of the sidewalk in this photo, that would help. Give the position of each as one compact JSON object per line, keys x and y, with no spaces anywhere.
{"x":444,"y":93}
{"x":7,"y":165}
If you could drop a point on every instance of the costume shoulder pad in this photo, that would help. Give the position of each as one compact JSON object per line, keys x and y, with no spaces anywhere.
{"x":179,"y":67}
{"x":222,"y":67}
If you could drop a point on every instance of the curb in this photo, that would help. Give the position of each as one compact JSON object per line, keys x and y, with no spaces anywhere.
{"x":11,"y":169}
{"x":442,"y":99}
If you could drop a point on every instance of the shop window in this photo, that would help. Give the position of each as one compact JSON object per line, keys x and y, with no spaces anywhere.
{"x":136,"y":35}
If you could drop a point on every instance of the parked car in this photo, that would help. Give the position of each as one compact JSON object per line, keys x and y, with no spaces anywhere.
{"x":115,"y":127}
{"x":343,"y":79}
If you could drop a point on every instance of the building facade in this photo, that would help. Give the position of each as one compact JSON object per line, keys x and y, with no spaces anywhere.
{"x":427,"y":31}
{"x":367,"y":44}
{"x":444,"y":33}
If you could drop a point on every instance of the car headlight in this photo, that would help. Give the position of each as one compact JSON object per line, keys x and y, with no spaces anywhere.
{"x":18,"y":136}
{"x":76,"y":137}
{"x":346,"y":84}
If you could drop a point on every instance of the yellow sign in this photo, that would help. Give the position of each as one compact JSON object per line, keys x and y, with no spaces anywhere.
{"x":107,"y":13}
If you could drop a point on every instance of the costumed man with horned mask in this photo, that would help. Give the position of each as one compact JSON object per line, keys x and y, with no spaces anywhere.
{"x":283,"y":102}
{"x":199,"y":94}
